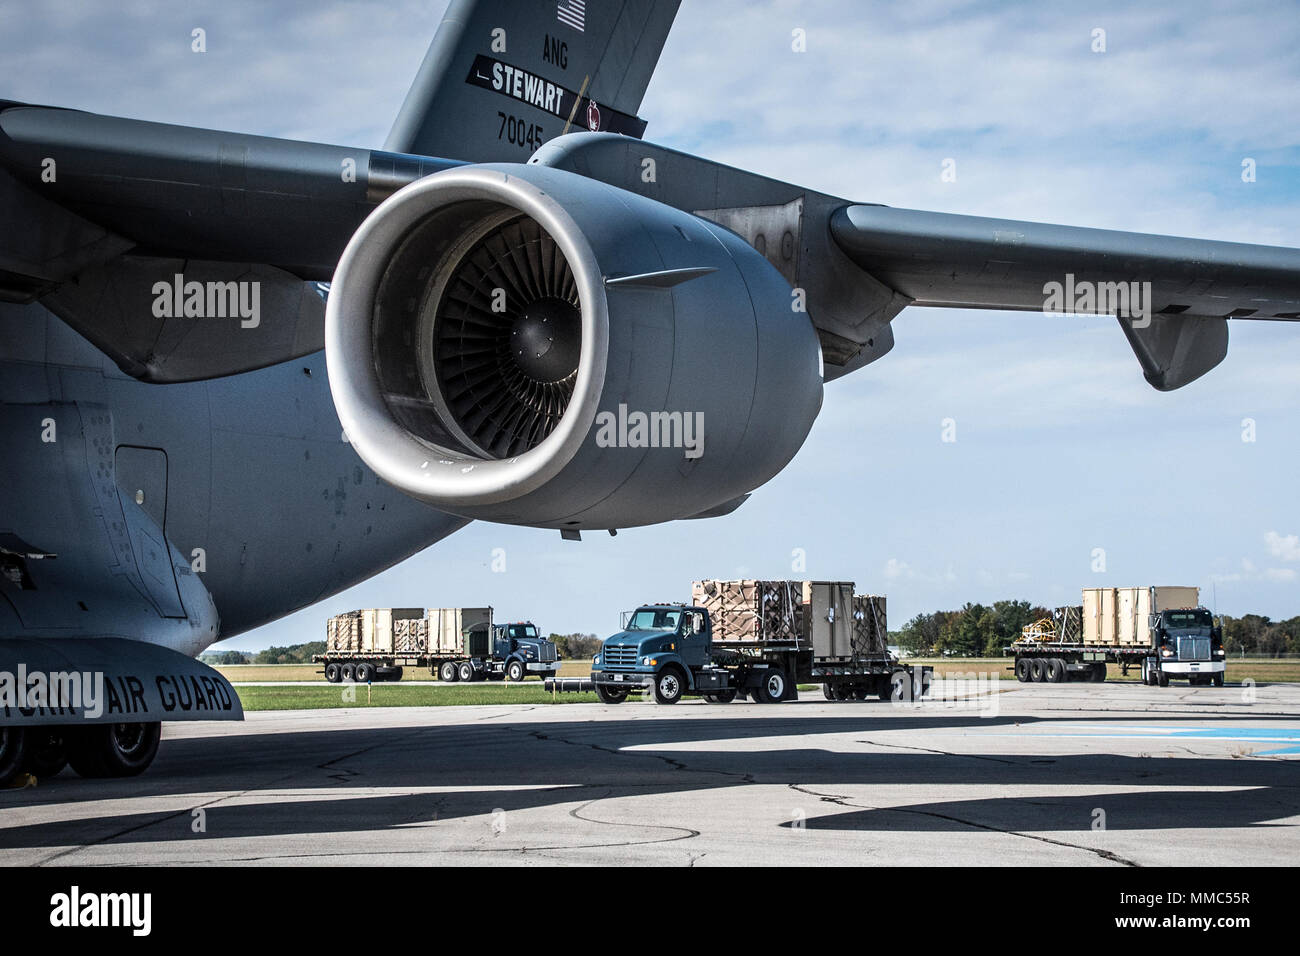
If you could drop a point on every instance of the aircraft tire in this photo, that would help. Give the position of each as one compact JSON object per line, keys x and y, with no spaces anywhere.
{"x":47,"y":754}
{"x":13,"y":751}
{"x":113,"y":750}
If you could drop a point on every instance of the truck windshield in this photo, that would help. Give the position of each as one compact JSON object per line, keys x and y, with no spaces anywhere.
{"x":522,"y":630}
{"x":653,"y":619}
{"x":1186,"y":619}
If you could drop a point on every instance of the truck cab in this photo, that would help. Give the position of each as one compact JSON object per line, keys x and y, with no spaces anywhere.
{"x":1185,"y":643}
{"x":519,"y":649}
{"x":667,"y":649}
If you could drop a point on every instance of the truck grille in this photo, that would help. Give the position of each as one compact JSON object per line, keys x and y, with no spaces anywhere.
{"x":619,"y":656}
{"x":1193,"y":648}
{"x":548,"y":653}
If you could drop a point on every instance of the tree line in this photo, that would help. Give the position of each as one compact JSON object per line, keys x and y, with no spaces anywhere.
{"x":977,"y":630}
{"x":293,"y":654}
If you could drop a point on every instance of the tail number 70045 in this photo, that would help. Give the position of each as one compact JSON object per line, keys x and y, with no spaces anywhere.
{"x":519,"y":131}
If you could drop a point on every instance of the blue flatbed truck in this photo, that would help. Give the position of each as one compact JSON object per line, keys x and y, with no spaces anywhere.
{"x":667,"y":651}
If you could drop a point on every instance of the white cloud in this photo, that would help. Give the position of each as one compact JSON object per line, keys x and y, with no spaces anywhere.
{"x":895,"y":569}
{"x":1283,"y":547}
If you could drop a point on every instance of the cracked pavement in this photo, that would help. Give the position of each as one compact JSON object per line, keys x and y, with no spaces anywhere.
{"x":1075,"y":775}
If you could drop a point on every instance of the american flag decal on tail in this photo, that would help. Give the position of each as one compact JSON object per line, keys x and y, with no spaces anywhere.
{"x":572,"y":13}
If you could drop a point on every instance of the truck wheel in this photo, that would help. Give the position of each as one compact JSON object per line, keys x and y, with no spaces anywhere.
{"x":333,"y":673}
{"x":1162,"y":678}
{"x":113,"y":750}
{"x":394,"y":674}
{"x":1037,"y":670}
{"x":465,"y":671}
{"x":669,"y":685}
{"x":1055,"y":671}
{"x":608,"y":695}
{"x":364,"y":673}
{"x":721,"y":697}
{"x":515,"y":671}
{"x":447,"y":672}
{"x":830,"y":692}
{"x":13,"y":751}
{"x":859,"y":692}
{"x":1098,"y":674}
{"x":348,"y":672}
{"x":46,"y":753}
{"x":1024,"y":670}
{"x":1218,"y":680}
{"x":771,"y":686}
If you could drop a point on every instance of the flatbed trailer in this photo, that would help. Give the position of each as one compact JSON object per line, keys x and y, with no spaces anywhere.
{"x":1055,"y":663}
{"x":682,"y":659}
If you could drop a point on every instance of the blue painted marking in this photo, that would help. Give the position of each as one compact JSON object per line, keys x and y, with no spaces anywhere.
{"x":1255,"y":734}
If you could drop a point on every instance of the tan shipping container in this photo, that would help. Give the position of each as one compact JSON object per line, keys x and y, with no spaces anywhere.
{"x":447,"y":626}
{"x":1170,"y":597}
{"x":1119,"y":616}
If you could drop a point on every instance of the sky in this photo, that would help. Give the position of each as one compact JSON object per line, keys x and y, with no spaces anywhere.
{"x":1061,"y":447}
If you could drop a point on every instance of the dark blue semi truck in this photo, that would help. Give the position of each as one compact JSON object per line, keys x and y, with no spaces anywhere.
{"x":668,"y":651}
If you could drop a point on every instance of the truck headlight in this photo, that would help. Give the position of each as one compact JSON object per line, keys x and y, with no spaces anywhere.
{"x":649,"y":660}
{"x":1166,"y":652}
{"x":595,"y":661}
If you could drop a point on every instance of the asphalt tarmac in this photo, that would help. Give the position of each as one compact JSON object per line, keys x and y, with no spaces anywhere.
{"x":1002,"y":774}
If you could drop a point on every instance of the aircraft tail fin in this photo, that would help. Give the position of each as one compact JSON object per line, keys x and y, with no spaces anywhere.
{"x":501,"y":77}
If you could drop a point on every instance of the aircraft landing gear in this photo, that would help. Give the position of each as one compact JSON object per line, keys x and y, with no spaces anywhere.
{"x":112,"y":750}
{"x":46,"y":753}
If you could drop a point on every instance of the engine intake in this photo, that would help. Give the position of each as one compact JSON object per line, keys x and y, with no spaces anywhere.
{"x":488,"y":324}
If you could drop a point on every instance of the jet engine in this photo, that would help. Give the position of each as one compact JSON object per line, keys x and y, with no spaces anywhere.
{"x":522,"y":344}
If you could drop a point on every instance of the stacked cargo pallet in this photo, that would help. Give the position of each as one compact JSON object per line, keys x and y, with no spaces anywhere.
{"x":825,"y":616}
{"x":343,"y":632}
{"x":411,"y":636}
{"x":1069,"y":624}
{"x":751,"y":611}
{"x":870,"y":631}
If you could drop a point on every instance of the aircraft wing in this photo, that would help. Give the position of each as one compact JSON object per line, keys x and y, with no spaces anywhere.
{"x":1175,"y":317}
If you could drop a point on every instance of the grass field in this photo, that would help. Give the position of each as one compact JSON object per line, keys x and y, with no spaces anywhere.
{"x":317,"y":696}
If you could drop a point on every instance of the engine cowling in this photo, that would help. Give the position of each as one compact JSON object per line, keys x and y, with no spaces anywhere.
{"x":524,"y":345}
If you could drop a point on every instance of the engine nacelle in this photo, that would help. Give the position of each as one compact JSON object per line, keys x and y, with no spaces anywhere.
{"x":525,"y":345}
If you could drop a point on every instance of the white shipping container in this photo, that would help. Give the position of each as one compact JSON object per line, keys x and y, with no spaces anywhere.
{"x":447,"y":627}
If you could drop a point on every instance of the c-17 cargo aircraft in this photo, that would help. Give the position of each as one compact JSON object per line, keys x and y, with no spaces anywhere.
{"x":239,"y":374}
